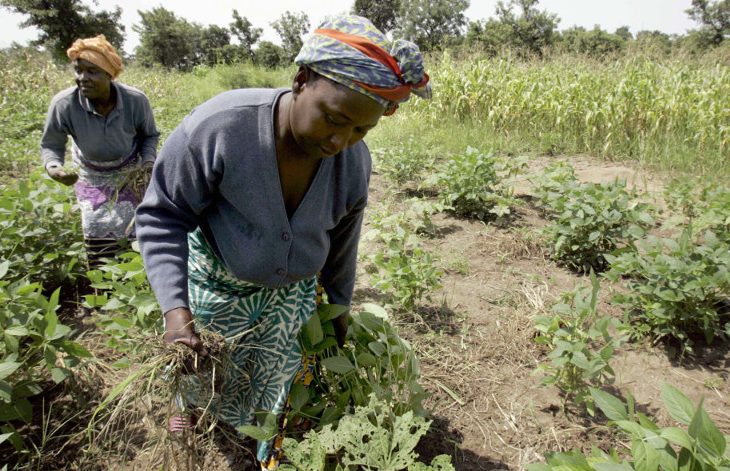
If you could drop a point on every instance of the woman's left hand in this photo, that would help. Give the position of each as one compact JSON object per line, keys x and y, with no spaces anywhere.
{"x":340,"y":323}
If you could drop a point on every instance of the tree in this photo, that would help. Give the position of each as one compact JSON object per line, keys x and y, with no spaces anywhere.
{"x":246,"y":33}
{"x":597,"y":42}
{"x":167,"y":40}
{"x":63,"y":21}
{"x":212,"y":44}
{"x":270,"y":55}
{"x":383,"y":13}
{"x":714,"y":18}
{"x":432,"y":23}
{"x":624,"y":33}
{"x":532,"y":30}
{"x":291,"y":27}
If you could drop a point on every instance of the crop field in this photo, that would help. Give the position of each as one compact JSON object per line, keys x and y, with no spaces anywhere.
{"x":544,"y":283}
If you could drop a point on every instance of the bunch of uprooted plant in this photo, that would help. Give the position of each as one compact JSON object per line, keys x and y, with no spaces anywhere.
{"x":132,"y":422}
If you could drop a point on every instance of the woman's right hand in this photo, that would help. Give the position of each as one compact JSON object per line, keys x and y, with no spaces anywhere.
{"x":56,"y":171}
{"x":180,"y":328}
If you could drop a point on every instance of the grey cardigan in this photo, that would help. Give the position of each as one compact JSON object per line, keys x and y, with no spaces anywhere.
{"x":129,"y":127}
{"x":218,"y":171}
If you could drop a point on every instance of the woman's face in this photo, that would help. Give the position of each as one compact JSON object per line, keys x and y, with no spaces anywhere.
{"x":327,"y":117}
{"x":93,"y":82}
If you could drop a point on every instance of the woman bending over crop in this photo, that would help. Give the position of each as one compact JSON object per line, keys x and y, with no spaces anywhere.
{"x":258,"y":191}
{"x":114,"y":144}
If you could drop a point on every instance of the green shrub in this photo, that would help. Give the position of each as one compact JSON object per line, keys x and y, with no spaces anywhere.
{"x":35,"y":348}
{"x":40,"y":233}
{"x":402,"y":267}
{"x":675,"y":287}
{"x":592,"y":220}
{"x":473,"y":184}
{"x":373,"y":437}
{"x":407,"y":162}
{"x":706,"y":206}
{"x":581,"y":343}
{"x":128,"y":307}
{"x":375,"y":360}
{"x":701,"y":446}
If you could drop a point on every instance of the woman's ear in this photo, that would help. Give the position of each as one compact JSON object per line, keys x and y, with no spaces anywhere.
{"x":300,"y":79}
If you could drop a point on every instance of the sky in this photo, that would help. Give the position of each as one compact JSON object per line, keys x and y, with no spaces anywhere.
{"x":664,"y":15}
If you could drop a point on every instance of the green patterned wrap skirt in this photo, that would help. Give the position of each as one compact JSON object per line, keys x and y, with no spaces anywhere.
{"x":262,"y":328}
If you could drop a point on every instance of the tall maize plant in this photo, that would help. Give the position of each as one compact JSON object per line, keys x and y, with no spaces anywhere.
{"x":674,"y":114}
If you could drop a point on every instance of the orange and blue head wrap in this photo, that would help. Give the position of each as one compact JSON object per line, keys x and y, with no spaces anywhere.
{"x":351,"y":51}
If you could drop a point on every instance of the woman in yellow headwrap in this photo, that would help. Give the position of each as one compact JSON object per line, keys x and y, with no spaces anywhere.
{"x":114,"y":136}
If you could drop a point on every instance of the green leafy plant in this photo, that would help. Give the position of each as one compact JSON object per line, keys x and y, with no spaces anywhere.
{"x":375,"y":360}
{"x":36,"y":347}
{"x":701,"y":446}
{"x":582,"y":343}
{"x":404,"y":163}
{"x":473,"y":184}
{"x":703,"y":205}
{"x":552,"y":183}
{"x":593,"y":220}
{"x":46,"y":253}
{"x":675,"y":287}
{"x":373,"y":437}
{"x":402,"y":268}
{"x":125,"y":301}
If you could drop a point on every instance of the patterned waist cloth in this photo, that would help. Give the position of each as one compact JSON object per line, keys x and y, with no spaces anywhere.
{"x":261,"y":326}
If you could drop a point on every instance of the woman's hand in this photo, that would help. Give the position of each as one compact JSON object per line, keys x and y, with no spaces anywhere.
{"x":56,"y":171}
{"x":340,"y":323}
{"x":180,"y":328}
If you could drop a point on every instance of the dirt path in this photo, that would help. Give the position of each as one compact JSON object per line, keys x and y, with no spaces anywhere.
{"x":475,"y":341}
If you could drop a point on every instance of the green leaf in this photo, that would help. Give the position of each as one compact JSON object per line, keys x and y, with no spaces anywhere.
{"x":6,"y":392}
{"x":679,"y":407}
{"x":338,"y":364}
{"x":646,"y":458}
{"x":4,"y":267}
{"x":59,"y":374}
{"x":709,"y":438}
{"x":17,"y":331}
{"x":677,"y":436}
{"x":7,"y":368}
{"x":327,"y":312}
{"x":366,"y":359}
{"x":75,"y":349}
{"x":611,"y":406}
{"x":312,"y":330}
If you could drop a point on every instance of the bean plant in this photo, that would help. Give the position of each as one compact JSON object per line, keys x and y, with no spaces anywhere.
{"x":582,"y":343}
{"x":402,"y":267}
{"x":127,"y":307}
{"x":675,"y":287}
{"x":591,"y":221}
{"x":36,"y":349}
{"x":40,"y":234}
{"x":474,"y":184}
{"x":373,"y":437}
{"x":699,"y":445}
{"x":375,"y":360}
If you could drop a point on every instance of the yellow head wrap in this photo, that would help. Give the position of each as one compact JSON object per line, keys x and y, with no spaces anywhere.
{"x":99,"y":52}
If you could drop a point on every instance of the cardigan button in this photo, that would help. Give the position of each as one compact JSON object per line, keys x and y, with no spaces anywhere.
{"x":280,"y":272}
{"x":285,"y":236}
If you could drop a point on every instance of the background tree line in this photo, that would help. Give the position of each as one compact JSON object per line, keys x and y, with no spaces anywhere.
{"x":518,"y":25}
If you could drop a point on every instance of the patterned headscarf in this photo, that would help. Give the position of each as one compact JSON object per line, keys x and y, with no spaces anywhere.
{"x":351,"y":51}
{"x":99,"y":52}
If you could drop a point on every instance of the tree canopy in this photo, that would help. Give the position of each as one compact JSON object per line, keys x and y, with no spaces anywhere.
{"x":432,"y":23}
{"x":291,"y":27}
{"x":61,"y":22}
